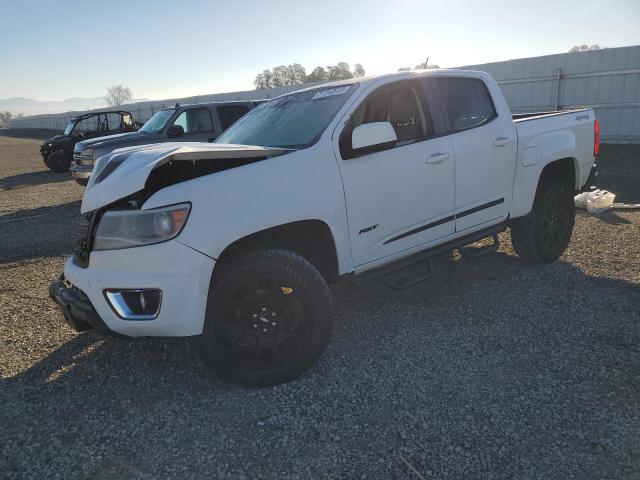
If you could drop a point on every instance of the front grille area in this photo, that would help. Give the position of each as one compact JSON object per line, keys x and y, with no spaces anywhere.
{"x":77,"y":157}
{"x":85,"y":239}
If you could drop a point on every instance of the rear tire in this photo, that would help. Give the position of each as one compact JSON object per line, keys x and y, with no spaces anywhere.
{"x":269,"y":317}
{"x":543,"y":235}
{"x":58,"y":161}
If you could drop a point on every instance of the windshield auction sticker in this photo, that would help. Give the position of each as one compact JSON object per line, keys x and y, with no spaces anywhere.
{"x":330,"y":92}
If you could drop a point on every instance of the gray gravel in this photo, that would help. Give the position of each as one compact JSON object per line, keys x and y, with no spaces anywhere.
{"x":492,"y":369}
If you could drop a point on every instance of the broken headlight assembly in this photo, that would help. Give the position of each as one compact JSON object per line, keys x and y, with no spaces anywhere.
{"x":134,"y":228}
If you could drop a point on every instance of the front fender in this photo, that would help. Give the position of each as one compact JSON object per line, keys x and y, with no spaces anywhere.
{"x":232,"y":204}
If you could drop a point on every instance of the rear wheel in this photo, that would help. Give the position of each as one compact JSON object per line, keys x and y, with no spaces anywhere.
{"x":58,"y":161}
{"x":269,"y":317}
{"x":544,"y":234}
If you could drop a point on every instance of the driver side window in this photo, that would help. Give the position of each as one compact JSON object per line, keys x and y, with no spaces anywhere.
{"x":195,"y":121}
{"x":400,"y":105}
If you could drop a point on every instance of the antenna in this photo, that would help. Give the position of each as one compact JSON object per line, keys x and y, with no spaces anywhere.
{"x":426,"y":63}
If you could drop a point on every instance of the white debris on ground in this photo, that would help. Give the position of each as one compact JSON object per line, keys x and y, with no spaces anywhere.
{"x":599,"y":201}
{"x":595,"y":201}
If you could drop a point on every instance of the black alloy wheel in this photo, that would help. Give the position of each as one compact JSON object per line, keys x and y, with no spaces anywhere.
{"x":269,"y":317}
{"x":543,"y":234}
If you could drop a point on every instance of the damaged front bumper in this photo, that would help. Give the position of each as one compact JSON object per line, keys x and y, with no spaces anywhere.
{"x":77,"y":308}
{"x":88,"y":295}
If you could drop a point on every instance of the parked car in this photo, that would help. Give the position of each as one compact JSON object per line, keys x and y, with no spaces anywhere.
{"x":234,"y":242}
{"x":188,"y":123}
{"x":57,"y":151}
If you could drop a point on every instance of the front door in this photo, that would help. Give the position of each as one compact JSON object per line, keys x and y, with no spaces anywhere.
{"x":403,"y":196}
{"x":197,"y":125}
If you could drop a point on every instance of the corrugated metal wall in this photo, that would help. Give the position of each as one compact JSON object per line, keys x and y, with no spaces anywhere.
{"x":607,"y":80}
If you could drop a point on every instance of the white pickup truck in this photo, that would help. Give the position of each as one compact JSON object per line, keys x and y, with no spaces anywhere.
{"x":234,"y":242}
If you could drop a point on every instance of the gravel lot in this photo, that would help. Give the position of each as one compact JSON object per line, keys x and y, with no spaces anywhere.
{"x":492,"y":369}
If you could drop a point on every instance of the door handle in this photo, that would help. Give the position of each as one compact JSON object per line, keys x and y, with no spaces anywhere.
{"x":437,"y":158}
{"x":502,"y":141}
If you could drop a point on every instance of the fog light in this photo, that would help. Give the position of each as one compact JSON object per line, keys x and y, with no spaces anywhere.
{"x":135,"y":304}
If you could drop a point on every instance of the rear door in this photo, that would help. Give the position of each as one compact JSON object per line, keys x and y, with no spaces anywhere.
{"x":485,"y":149}
{"x":197,"y":125}
{"x":399,"y":197}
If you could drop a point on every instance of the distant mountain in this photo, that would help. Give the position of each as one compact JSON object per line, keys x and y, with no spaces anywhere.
{"x":28,"y":106}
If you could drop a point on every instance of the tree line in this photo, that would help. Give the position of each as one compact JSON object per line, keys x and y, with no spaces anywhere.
{"x":6,"y":116}
{"x":295,"y":74}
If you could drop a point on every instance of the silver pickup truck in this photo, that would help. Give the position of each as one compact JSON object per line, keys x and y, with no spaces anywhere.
{"x":185,"y":123}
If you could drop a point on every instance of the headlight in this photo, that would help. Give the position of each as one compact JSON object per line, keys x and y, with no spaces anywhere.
{"x":133,"y":228}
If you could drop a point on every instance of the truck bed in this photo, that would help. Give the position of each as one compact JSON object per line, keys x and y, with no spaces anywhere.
{"x":566,"y":133}
{"x":520,"y":117}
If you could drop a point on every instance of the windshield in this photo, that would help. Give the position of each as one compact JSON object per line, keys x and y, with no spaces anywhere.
{"x":292,"y":121}
{"x":70,"y":126}
{"x":157,"y":122}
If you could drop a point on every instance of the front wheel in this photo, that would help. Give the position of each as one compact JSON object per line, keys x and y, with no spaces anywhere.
{"x":269,"y":317}
{"x":58,"y":161}
{"x":543,"y":234}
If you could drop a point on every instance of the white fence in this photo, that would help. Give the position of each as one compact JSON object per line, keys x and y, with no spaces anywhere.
{"x":607,"y":80}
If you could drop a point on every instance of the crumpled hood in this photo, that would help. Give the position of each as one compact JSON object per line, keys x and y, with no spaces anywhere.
{"x":114,"y":141}
{"x":131,"y":175}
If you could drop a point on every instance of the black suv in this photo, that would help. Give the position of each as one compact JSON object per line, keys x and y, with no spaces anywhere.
{"x":202,"y":122}
{"x":57,"y":151}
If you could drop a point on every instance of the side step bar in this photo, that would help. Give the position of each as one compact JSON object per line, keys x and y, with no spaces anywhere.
{"x":419,"y":267}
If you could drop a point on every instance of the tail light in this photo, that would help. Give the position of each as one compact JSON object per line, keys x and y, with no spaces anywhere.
{"x":596,"y":138}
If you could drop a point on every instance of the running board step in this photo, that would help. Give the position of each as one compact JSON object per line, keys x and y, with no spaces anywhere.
{"x":417,"y":268}
{"x":409,"y":275}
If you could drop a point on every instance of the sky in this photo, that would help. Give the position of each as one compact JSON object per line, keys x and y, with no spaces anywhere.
{"x":53,"y":50}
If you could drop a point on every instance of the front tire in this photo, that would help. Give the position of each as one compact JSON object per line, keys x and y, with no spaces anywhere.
{"x":58,"y":161}
{"x":269,"y":317}
{"x":542,"y":235}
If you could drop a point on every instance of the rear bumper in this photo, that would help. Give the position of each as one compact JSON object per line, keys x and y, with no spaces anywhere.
{"x":81,"y":171}
{"x":76,"y":307}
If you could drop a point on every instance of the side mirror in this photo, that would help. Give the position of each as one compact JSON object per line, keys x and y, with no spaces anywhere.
{"x":175,"y":131}
{"x":373,"y":136}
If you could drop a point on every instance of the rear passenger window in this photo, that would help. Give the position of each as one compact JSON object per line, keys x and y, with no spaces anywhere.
{"x":465,"y":103}
{"x":229,"y":114}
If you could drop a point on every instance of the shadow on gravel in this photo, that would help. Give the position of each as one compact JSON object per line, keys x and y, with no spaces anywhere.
{"x":32,"y":179}
{"x":39,"y":232}
{"x":612,"y":218}
{"x":618,"y":170}
{"x":492,"y":366}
